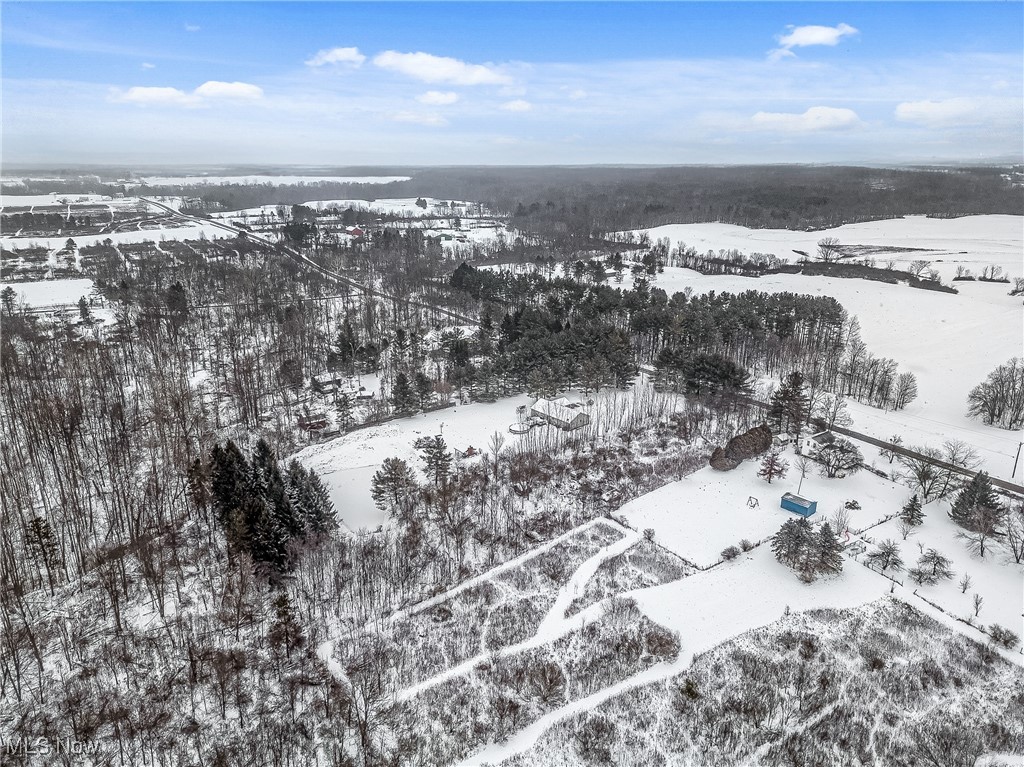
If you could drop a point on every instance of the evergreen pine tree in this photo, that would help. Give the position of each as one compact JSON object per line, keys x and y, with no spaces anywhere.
{"x":788,"y":408}
{"x":828,"y":551}
{"x":393,"y":487}
{"x":912,"y":513}
{"x":402,"y":394}
{"x":437,"y":461}
{"x":286,"y":631}
{"x":267,"y":538}
{"x":310,"y":500}
{"x":229,"y":474}
{"x":269,"y":483}
{"x":773,"y":466}
{"x":791,"y":541}
{"x":977,"y":494}
{"x":343,"y":406}
{"x":424,"y":388}
{"x":43,"y":547}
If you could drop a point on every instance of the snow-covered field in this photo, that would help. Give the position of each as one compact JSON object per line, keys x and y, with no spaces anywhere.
{"x":61,"y":199}
{"x":711,"y":607}
{"x":950,"y":342}
{"x":46,"y":293}
{"x":974,"y":241}
{"x":257,"y":179}
{"x":196,"y":232}
{"x":347,"y":464}
{"x":700,"y":515}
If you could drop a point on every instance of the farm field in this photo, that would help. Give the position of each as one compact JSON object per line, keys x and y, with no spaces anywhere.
{"x":973,"y":241}
{"x":949,"y":342}
{"x":156,"y":234}
{"x":264,"y":179}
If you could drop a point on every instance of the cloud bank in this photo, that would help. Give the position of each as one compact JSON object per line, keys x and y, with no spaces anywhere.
{"x":209,"y":92}
{"x":439,"y":69}
{"x":349,"y":56}
{"x":813,"y":120}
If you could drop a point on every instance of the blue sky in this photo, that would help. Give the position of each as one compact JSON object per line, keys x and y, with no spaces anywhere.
{"x":471,"y":83}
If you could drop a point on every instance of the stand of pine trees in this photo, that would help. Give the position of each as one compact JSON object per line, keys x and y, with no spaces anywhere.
{"x":808,"y":551}
{"x":262,"y":510}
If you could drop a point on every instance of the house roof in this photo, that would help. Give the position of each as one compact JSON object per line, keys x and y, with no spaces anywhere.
{"x":555,"y":409}
{"x":797,"y":499}
{"x":824,"y":438}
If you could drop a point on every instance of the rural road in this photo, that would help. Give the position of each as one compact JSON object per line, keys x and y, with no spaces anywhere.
{"x":900,"y":450}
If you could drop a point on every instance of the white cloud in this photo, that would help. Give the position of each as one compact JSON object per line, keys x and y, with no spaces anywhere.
{"x":214,"y":89}
{"x":802,"y":37}
{"x":517,"y":105}
{"x":956,"y":111}
{"x":147,"y":65}
{"x":208,"y":92}
{"x":192,"y":27}
{"x":814,"y":119}
{"x":350,"y":56}
{"x":438,"y":97}
{"x":578,"y":95}
{"x":778,"y":54}
{"x":439,"y":69}
{"x":155,"y":96}
{"x":419,"y":118}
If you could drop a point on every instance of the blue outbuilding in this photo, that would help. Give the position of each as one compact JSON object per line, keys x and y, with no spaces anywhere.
{"x":799,"y":505}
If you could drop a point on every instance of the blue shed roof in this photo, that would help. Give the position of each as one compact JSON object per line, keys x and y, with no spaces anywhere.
{"x":796,"y":499}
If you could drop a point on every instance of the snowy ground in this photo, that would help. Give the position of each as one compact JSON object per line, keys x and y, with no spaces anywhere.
{"x":46,"y":293}
{"x":700,"y":515}
{"x":708,"y":608}
{"x":197,"y":232}
{"x":950,"y":342}
{"x":45,"y":200}
{"x":273,"y":180}
{"x":347,"y":464}
{"x":974,"y":241}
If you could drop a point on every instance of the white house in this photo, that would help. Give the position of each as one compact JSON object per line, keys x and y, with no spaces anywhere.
{"x":558,"y":413}
{"x":810,"y":445}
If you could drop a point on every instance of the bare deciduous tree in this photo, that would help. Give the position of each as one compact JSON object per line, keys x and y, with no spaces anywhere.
{"x":829,"y":250}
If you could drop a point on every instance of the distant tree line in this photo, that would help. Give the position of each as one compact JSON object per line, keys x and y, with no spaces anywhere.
{"x":702,"y":344}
